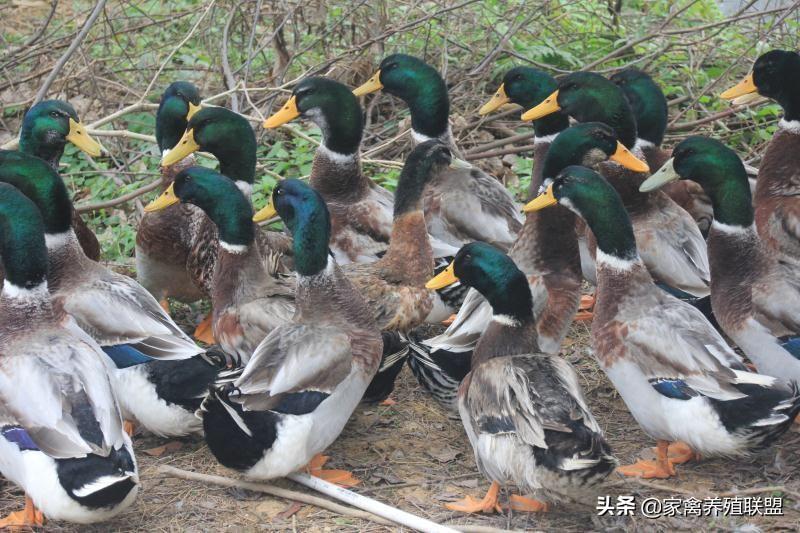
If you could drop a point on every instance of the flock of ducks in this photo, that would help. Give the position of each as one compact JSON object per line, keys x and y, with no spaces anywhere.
{"x":308,"y":322}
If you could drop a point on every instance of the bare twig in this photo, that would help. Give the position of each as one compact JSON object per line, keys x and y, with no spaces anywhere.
{"x":98,"y":8}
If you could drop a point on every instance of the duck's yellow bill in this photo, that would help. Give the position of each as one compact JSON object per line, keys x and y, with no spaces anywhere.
{"x":370,"y":86}
{"x":499,"y":99}
{"x":546,"y":199}
{"x":443,"y":279}
{"x":185,"y":147}
{"x":266,"y":213}
{"x":547,"y":107}
{"x":660,"y":177}
{"x":192,"y":110}
{"x":624,"y":157}
{"x":77,"y":135}
{"x":166,"y":199}
{"x":746,"y":86}
{"x":288,"y":112}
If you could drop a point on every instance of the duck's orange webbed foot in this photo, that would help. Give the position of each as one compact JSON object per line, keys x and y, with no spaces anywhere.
{"x":488,"y":504}
{"x":661,"y":468}
{"x":388,"y":402}
{"x":585,"y":309}
{"x":164,"y":305}
{"x":203,"y":332}
{"x":27,"y":518}
{"x":343,"y":478}
{"x":449,"y":320}
{"x":679,"y":452}
{"x":526,"y":505}
{"x":129,"y":427}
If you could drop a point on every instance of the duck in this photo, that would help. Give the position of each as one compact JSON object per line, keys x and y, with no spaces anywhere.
{"x":159,"y":372}
{"x":80,"y":469}
{"x":361,"y":210}
{"x":546,"y":251}
{"x":229,"y":137}
{"x":47,"y":127}
{"x":523,"y":410}
{"x":649,"y":106}
{"x":463,"y":205}
{"x":670,"y":243}
{"x":394,"y":285}
{"x":247,"y":301}
{"x":775,"y":76}
{"x":676,"y":374}
{"x":164,"y":239}
{"x":755,"y":295}
{"x":306,"y":377}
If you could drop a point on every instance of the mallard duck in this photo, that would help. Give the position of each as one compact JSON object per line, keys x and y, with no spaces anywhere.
{"x":649,"y":106}
{"x":61,"y":437}
{"x":46,"y":129}
{"x":777,"y":203}
{"x":118,"y":313}
{"x":755,"y":295}
{"x":546,"y":250}
{"x":164,"y":239}
{"x":248,"y":303}
{"x":394,"y":285}
{"x":229,"y":137}
{"x":306,"y":378}
{"x":674,"y":371}
{"x":463,"y":205}
{"x":669,"y":240}
{"x":523,"y":410}
{"x":361,"y":210}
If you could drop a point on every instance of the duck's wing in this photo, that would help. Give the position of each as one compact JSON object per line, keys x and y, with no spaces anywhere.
{"x":479,"y":208}
{"x":66,"y":404}
{"x":673,"y":342}
{"x":674,"y":250}
{"x":295,"y":363}
{"x":115,"y":309}
{"x":470,"y":323}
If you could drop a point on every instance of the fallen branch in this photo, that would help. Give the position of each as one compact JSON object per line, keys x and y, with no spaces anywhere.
{"x":85,"y":208}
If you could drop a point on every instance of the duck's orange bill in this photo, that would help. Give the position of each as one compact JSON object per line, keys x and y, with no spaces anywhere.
{"x":166,"y":199}
{"x":266,"y":213}
{"x":547,"y":107}
{"x":546,"y":199}
{"x":746,"y":86}
{"x":443,"y":279}
{"x":499,"y":99}
{"x":185,"y":147}
{"x":370,"y":86}
{"x":288,"y":112}
{"x":79,"y":137}
{"x":624,"y":157}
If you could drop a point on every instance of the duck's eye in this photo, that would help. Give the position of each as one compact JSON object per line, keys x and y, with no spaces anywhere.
{"x":55,"y":114}
{"x":388,"y":67}
{"x":278,"y":192}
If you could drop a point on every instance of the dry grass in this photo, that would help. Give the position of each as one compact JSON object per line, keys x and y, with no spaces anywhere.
{"x":411,"y":455}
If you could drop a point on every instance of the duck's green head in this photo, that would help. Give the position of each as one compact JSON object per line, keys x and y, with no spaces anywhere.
{"x":48,"y":126}
{"x":419,"y":85}
{"x":219,"y":197}
{"x":493,"y":274}
{"x":589,"y":97}
{"x":775,"y":75}
{"x":304,"y":212}
{"x":528,"y":87}
{"x":647,"y":101}
{"x":331,"y":106}
{"x":34,"y":178}
{"x":22,"y":247}
{"x":426,"y":161}
{"x":718,"y":170}
{"x":588,"y":144}
{"x":590,"y":196}
{"x":223,"y":133}
{"x":179,"y":102}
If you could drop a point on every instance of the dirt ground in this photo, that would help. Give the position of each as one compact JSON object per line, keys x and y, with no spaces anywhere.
{"x":411,"y":455}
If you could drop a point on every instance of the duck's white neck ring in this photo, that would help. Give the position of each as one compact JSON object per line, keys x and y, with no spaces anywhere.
{"x":791,"y":126}
{"x":337,"y":157}
{"x":236,"y":249}
{"x":56,"y":241}
{"x":615,"y":263}
{"x":22,"y":294}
